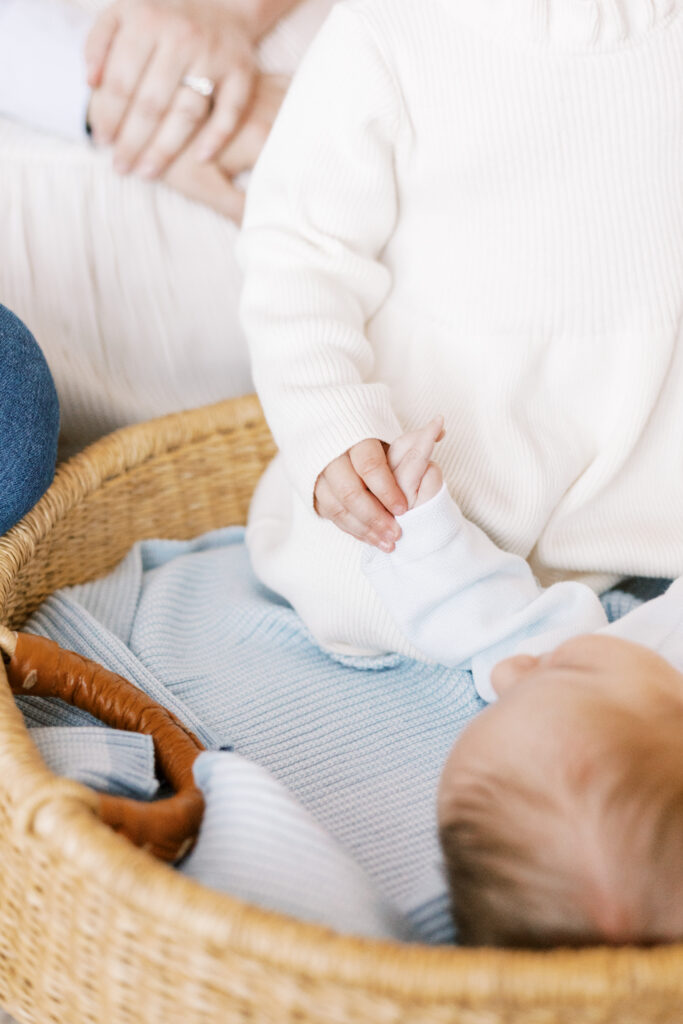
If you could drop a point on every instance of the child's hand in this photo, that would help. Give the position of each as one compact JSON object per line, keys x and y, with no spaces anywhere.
{"x":409,"y":457}
{"x":356,"y":490}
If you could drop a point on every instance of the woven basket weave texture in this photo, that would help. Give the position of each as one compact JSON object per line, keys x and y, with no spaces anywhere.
{"x":94,"y":931}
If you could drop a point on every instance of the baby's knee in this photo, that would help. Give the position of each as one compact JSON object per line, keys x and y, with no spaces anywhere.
{"x":29,"y":421}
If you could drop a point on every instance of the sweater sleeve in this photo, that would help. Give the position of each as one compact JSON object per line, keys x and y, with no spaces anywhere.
{"x":464,"y":602}
{"x":42,"y":66}
{"x":656,"y":624}
{"x":321,"y":205}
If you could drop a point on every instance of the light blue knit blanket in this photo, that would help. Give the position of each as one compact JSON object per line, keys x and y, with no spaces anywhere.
{"x":356,"y":744}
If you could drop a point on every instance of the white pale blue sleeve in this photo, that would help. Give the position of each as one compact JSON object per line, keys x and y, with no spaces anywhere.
{"x":464,"y":602}
{"x":42,"y":67}
{"x":657,"y":624}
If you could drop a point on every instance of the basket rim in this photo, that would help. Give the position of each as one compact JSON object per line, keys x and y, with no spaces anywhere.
{"x":114,"y":454}
{"x":63,"y":818}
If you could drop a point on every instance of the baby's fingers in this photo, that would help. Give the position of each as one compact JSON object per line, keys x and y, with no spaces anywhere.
{"x":369,"y":460}
{"x":342,"y":497}
{"x":328,"y":506}
{"x":410,"y":455}
{"x":416,"y":443}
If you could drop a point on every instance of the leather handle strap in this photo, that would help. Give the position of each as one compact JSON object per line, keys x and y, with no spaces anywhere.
{"x":167,"y":828}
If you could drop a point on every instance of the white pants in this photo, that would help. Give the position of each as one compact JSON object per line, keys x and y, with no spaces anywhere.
{"x":130,"y":289}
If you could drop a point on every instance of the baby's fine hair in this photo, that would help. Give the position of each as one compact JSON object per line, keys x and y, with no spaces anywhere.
{"x":597,"y":859}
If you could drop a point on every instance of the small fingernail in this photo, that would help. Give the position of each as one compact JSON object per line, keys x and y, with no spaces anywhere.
{"x":386,"y":546}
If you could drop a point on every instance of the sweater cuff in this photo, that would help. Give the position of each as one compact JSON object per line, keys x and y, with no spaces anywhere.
{"x":306,"y":458}
{"x":426,"y":529}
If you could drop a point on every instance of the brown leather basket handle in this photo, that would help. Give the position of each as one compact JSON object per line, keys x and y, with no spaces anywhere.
{"x":167,"y":828}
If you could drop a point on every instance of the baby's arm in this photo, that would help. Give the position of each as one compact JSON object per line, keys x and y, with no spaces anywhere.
{"x":321,"y":206}
{"x":455,"y":595}
{"x":657,"y":624}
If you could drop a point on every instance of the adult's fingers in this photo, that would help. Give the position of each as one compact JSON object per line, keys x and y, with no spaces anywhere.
{"x":244,"y":148}
{"x":352,"y":494}
{"x":230,"y":101}
{"x":152,"y":105}
{"x":369,"y":460}
{"x":228,"y":199}
{"x":328,"y":506}
{"x":98,"y":43}
{"x":125,"y":65}
{"x":187,"y":112}
{"x":207,"y":184}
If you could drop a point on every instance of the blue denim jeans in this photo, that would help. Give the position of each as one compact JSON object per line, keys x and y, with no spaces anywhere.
{"x":29,"y":421}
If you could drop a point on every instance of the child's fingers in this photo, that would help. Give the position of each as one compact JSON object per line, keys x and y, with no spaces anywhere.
{"x":409,"y":473}
{"x":369,"y":460}
{"x":430,"y":485}
{"x":328,"y":506}
{"x":348,"y":496}
{"x":420,"y":441}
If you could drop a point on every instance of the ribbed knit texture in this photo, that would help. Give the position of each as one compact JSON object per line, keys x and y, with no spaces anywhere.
{"x":130,"y":289}
{"x":356,"y":745}
{"x":475,"y":209}
{"x":358,"y":742}
{"x":109,"y":760}
{"x":258,"y":843}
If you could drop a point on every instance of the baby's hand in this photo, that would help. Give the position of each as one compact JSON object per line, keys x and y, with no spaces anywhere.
{"x":358,"y":493}
{"x":409,"y":458}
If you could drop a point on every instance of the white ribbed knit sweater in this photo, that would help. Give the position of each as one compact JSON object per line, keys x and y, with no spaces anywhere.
{"x":475,"y":208}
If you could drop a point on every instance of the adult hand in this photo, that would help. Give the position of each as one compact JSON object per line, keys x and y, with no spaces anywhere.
{"x":137,"y":54}
{"x":358,"y":493}
{"x":244,"y":148}
{"x":212,"y":183}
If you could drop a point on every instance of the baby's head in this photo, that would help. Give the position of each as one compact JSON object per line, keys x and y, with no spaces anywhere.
{"x":561,"y":806}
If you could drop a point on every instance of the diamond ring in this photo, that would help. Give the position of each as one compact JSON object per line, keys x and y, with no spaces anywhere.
{"x":200,"y":84}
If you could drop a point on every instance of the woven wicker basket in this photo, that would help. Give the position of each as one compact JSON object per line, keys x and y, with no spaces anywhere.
{"x":94,"y":931}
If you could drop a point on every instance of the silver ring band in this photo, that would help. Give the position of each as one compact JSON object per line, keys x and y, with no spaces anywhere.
{"x":200,"y":84}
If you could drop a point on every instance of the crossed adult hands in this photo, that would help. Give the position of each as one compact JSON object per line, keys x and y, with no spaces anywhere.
{"x":139,"y":52}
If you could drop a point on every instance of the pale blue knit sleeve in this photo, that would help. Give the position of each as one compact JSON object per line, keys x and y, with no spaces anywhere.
{"x":464,"y":602}
{"x":109,"y":760}
{"x":258,"y":843}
